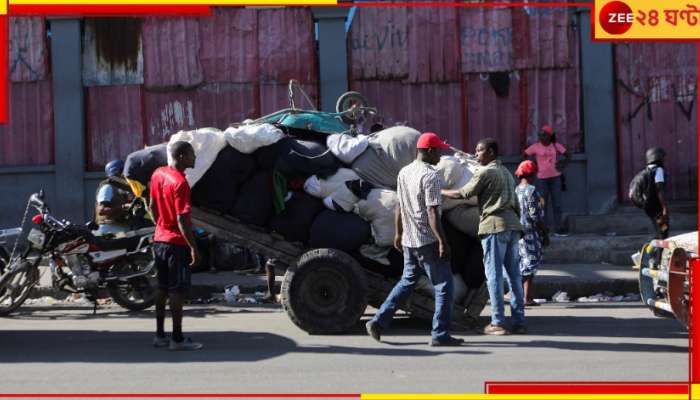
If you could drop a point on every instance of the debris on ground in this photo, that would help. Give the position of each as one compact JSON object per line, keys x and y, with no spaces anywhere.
{"x":607,"y":297}
{"x":561,"y":297}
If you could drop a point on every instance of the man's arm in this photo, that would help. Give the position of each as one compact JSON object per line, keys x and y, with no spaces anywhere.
{"x":472,"y":188}
{"x":662,"y":201}
{"x":398,"y":226}
{"x":184,"y":220}
{"x":436,"y":227}
{"x":184,"y":223}
{"x":433,"y":201}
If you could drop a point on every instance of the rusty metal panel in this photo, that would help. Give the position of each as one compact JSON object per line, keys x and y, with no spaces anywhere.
{"x":112,"y":52}
{"x":286,"y":45}
{"x":114,"y":123}
{"x":220,"y":104}
{"x":378,"y":44}
{"x":165,"y":113}
{"x":171,"y":53}
{"x":543,"y":37}
{"x":28,"y":50}
{"x":274,"y":97}
{"x":433,"y":107}
{"x":229,"y":51}
{"x":554,"y":98}
{"x":486,"y":39}
{"x":492,"y":115}
{"x":212,"y":105}
{"x":433,"y":55}
{"x":28,"y":138}
{"x":656,"y":106}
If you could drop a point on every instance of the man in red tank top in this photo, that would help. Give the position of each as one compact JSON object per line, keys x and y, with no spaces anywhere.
{"x":175,"y":249}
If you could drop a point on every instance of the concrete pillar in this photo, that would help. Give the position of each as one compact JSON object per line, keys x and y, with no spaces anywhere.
{"x":69,"y":117}
{"x":332,"y":53}
{"x":600,"y":136}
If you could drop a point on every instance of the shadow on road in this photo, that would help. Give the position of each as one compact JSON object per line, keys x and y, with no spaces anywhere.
{"x":56,"y":346}
{"x":64,"y":312}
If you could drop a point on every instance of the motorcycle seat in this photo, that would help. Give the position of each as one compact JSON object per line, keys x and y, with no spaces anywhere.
{"x":129,"y":243}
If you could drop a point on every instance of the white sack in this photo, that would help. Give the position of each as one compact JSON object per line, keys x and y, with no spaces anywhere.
{"x":248,"y":138}
{"x":346,"y":147}
{"x":206,"y":142}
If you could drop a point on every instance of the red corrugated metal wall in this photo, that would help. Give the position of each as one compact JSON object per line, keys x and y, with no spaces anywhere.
{"x":656,"y":106}
{"x":28,"y":138}
{"x":200,"y":72}
{"x":471,"y":73}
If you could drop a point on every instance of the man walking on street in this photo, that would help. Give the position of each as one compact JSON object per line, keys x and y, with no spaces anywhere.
{"x":175,"y":248}
{"x":656,"y":207}
{"x":420,"y":236}
{"x":499,"y":230}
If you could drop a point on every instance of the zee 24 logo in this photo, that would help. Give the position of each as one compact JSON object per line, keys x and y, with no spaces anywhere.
{"x":616,"y":17}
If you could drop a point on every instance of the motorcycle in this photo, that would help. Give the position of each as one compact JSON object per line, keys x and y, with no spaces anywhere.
{"x":80,"y":262}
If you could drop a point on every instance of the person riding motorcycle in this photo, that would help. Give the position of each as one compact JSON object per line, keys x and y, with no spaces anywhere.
{"x":111,"y":215}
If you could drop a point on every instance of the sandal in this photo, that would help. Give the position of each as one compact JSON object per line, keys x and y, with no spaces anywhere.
{"x":532,"y":303}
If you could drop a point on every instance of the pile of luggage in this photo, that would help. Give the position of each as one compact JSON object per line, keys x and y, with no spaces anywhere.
{"x":322,"y":190}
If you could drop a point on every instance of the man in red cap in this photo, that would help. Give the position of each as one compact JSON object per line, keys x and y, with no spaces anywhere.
{"x":549,"y":172}
{"x":420,"y":237}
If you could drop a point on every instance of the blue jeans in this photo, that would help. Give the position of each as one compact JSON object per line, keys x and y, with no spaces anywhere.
{"x":416,"y":262}
{"x":551,"y":187}
{"x":501,"y":254}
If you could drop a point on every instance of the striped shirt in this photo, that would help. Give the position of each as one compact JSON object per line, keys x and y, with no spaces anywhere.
{"x":495,"y":187}
{"x":418,"y":188}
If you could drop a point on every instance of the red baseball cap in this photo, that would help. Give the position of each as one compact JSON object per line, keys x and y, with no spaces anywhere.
{"x":430,"y":140}
{"x":547,"y":129}
{"x":526,"y":168}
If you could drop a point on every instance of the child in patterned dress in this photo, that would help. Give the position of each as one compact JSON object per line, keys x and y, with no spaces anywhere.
{"x":534,"y":229}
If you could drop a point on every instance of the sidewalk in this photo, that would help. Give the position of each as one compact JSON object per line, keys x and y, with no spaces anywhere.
{"x":578,"y":280}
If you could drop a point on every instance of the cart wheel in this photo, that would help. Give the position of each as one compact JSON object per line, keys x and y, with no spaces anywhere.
{"x":346,"y":101}
{"x":326,"y":293}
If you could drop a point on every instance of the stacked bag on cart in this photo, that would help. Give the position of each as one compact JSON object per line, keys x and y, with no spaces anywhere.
{"x":335,"y":191}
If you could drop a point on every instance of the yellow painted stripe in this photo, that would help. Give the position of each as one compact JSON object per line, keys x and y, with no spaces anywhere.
{"x":174,"y":2}
{"x":400,"y":396}
{"x":3,"y":7}
{"x":695,"y":391}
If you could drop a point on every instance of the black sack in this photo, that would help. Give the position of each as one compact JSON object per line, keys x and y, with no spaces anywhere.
{"x":305,"y":158}
{"x":467,"y":257}
{"x":254,"y":203}
{"x":294,"y":222}
{"x":342,"y":231}
{"x":140,"y":165}
{"x":219,"y":186}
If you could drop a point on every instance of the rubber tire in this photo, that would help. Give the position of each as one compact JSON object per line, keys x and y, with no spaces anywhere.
{"x":327,"y":276}
{"x":4,"y":311}
{"x":358,"y":97}
{"x":125,"y":302}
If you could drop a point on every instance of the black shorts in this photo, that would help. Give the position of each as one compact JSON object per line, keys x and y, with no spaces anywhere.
{"x":173,"y":266}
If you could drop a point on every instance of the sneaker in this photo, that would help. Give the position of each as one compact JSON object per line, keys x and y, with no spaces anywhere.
{"x":495,"y":330}
{"x":159,"y":342}
{"x":519,"y":330}
{"x":560,"y":234}
{"x":374,"y":330}
{"x":186,"y":344}
{"x":448,"y":341}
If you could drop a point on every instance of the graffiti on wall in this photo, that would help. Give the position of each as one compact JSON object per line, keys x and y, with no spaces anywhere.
{"x":487,"y":48}
{"x":384,"y":38}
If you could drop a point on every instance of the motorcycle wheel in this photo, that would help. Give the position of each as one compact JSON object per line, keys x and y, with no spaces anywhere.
{"x":15,"y":285}
{"x":138,"y":293}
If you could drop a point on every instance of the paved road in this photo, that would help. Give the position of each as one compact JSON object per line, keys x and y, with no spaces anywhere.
{"x":257,"y":349}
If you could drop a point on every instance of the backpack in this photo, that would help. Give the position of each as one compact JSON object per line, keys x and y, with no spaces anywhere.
{"x":642,"y":187}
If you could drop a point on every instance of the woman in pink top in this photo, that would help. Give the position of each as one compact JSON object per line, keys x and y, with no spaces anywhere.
{"x":549,"y":172}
